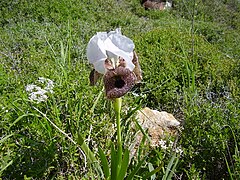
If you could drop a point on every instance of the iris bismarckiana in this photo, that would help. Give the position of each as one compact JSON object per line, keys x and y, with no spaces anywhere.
{"x":113,"y":57}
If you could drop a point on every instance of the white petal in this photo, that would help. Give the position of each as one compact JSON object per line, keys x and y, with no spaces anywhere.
{"x":96,"y":48}
{"x":121,"y":46}
{"x":99,"y":66}
{"x":117,"y":31}
{"x":122,"y":42}
{"x":102,"y":35}
{"x":112,"y":42}
{"x":30,"y":87}
{"x":112,"y":56}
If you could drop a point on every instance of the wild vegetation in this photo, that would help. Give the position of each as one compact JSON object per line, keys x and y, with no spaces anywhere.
{"x":191,"y":68}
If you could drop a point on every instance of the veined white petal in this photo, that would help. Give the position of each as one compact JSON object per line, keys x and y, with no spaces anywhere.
{"x":121,"y":46}
{"x":129,"y":63}
{"x":111,"y":45}
{"x":96,"y":48}
{"x":99,"y":66}
{"x":111,"y":55}
{"x":122,"y":42}
{"x":102,"y":35}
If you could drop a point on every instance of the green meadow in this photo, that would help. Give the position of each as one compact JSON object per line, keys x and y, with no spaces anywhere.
{"x":190,"y":58}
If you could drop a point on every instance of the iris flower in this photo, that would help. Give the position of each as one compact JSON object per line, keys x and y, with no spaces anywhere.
{"x":112,"y":55}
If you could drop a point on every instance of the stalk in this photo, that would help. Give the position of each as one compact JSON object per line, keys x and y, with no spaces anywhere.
{"x":117,"y":108}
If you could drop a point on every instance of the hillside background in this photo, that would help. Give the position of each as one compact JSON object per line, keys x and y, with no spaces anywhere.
{"x":190,"y":57}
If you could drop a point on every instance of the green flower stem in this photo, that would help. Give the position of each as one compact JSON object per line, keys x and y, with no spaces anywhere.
{"x":117,"y":107}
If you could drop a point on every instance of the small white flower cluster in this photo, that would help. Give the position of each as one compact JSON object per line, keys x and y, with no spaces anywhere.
{"x":164,"y":146}
{"x":48,"y":82}
{"x":37,"y":93}
{"x":178,"y":150}
{"x":4,"y":109}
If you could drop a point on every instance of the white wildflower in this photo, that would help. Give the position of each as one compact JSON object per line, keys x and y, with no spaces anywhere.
{"x":4,"y":109}
{"x":42,"y":79}
{"x":38,"y":93}
{"x":38,"y":96}
{"x":49,"y":85}
{"x":178,"y":150}
{"x":30,"y":87}
{"x":135,"y":94}
{"x":163,"y":144}
{"x":170,"y":144}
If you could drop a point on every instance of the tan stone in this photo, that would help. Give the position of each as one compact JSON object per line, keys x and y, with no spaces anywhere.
{"x":156,"y":124}
{"x":157,"y":4}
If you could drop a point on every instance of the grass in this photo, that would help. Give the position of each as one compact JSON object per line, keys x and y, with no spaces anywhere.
{"x":200,"y":87}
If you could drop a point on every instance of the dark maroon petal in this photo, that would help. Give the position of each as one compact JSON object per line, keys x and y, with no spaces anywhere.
{"x":94,"y":77}
{"x":118,"y":82}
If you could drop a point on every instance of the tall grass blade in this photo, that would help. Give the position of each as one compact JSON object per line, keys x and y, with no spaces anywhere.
{"x":5,"y":167}
{"x":20,"y":117}
{"x":5,"y":138}
{"x":151,"y":168}
{"x":63,"y":54}
{"x":228,"y":168}
{"x":153,"y":172}
{"x":89,"y":154}
{"x":142,"y":131}
{"x":168,"y":169}
{"x":135,"y":171}
{"x":96,"y":101}
{"x":104,"y":163}
{"x":173,"y":169}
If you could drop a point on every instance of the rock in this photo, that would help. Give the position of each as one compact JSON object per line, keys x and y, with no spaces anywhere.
{"x":156,"y":124}
{"x":158,"y":5}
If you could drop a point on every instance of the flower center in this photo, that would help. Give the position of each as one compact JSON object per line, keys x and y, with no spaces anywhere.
{"x":119,"y":83}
